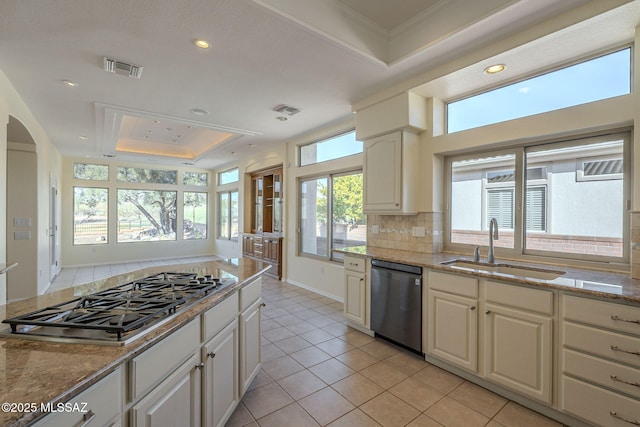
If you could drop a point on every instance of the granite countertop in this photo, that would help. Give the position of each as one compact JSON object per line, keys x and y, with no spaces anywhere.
{"x":602,"y":284}
{"x":42,"y":372}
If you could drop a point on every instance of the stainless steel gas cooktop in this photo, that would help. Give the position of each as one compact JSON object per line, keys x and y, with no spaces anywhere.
{"x":118,"y":315}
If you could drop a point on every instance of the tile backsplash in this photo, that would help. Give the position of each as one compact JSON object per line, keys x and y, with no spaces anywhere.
{"x":418,"y":233}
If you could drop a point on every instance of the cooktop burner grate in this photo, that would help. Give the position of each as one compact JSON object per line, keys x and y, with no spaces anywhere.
{"x":121,"y":309}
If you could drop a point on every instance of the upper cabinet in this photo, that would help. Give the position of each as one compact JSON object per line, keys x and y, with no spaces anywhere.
{"x":267,"y":201}
{"x":391,"y":174}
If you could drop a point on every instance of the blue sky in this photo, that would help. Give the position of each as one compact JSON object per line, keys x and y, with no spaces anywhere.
{"x":603,"y":77}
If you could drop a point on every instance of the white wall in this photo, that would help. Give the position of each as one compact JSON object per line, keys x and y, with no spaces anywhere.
{"x":49,"y":164}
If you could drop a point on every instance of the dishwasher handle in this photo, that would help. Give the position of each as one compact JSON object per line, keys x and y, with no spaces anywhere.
{"x":388,"y":265}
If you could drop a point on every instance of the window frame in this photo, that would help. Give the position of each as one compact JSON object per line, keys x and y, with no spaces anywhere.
{"x":219,"y":235}
{"x":329,"y":177}
{"x":221,"y":173}
{"x":520,"y":250}
{"x":320,"y":141}
{"x":73,"y":215}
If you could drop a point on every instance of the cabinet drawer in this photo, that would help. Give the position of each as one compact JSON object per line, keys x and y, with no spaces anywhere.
{"x":453,"y":284}
{"x":611,"y":345}
{"x":156,"y":363}
{"x":597,"y":405}
{"x":250,"y":293}
{"x":354,"y":263}
{"x":618,"y":317}
{"x":102,"y":400}
{"x":520,"y":297}
{"x":603,"y":372}
{"x":219,"y":316}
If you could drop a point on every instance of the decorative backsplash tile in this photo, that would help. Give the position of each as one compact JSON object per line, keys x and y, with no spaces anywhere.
{"x":418,"y":233}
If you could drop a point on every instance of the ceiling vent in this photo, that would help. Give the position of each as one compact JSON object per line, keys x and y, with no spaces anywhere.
{"x":285,"y":109}
{"x":119,"y":67}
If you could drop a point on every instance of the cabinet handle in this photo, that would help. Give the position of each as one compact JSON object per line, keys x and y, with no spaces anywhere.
{"x":616,"y":348}
{"x":86,"y":419}
{"x":199,"y":365}
{"x":473,"y":307}
{"x":633,"y":383}
{"x":211,"y":354}
{"x":615,"y":415}
{"x":487,"y":312}
{"x":620,"y":319}
{"x":263,"y":305}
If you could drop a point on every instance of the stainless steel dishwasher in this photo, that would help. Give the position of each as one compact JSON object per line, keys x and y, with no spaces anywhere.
{"x":396,"y":303}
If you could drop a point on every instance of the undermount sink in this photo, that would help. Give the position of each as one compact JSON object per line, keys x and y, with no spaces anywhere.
{"x":514,"y":270}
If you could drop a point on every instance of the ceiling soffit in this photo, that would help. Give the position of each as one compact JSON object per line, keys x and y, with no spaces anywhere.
{"x":431,"y":23}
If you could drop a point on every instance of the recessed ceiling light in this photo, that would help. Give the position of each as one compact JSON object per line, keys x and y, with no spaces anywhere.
{"x":202,"y":44}
{"x":495,"y":69}
{"x":83,"y":137}
{"x":282,"y":118}
{"x":70,"y":83}
{"x":252,"y":145}
{"x":199,"y":112}
{"x":156,"y":121}
{"x":233,"y":153}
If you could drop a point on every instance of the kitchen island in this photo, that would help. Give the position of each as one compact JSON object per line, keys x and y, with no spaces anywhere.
{"x":36,"y":373}
{"x":561,"y":340}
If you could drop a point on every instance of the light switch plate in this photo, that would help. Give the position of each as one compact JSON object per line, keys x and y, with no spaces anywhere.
{"x":375,"y":229}
{"x":21,"y":235}
{"x":22,"y":222}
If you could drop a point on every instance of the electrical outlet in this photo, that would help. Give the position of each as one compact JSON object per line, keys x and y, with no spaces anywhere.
{"x":418,"y":232}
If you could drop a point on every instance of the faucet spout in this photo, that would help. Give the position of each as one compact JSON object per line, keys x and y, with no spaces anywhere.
{"x":493,"y":235}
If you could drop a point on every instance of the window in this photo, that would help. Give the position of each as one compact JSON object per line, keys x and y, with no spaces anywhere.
{"x":229,"y":176}
{"x":90,"y":171}
{"x":150,"y":176}
{"x":330,"y":149}
{"x":331,"y":214}
{"x":228,"y":215}
{"x":563,"y":215}
{"x":599,"y":78}
{"x":90,"y":216}
{"x":145,"y":215}
{"x":194,"y":216}
{"x":200,"y":179}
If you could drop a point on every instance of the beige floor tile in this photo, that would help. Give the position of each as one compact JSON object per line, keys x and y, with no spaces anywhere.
{"x":478,"y":398}
{"x":335,"y":346}
{"x":331,"y":370}
{"x":320,"y":320}
{"x":424,"y":421}
{"x":292,"y":344}
{"x":291,"y":415}
{"x":408,"y":363}
{"x":355,"y":418}
{"x":270,"y":352}
{"x":269,"y":324}
{"x":357,"y":389}
{"x":301,"y":384}
{"x":265,"y":400}
{"x":316,"y":336}
{"x":383,"y":374}
{"x":389,"y":411}
{"x":438,"y":378}
{"x":281,"y":367}
{"x":278,"y":334}
{"x":514,"y":415}
{"x":301,"y":327}
{"x":337,"y":329}
{"x":310,"y":356}
{"x":416,"y":394}
{"x":451,"y":413}
{"x":260,"y":380}
{"x":240,"y":417}
{"x":493,"y":423}
{"x":379,"y":349}
{"x":326,"y":405}
{"x":357,"y":338}
{"x":357,"y":359}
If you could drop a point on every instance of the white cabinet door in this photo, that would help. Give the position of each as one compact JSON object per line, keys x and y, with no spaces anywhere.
{"x":518,"y":348}
{"x":175,"y":401}
{"x":383,"y":173}
{"x":453,"y":329}
{"x":221,"y":359}
{"x":355,"y":297}
{"x":250,"y":344}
